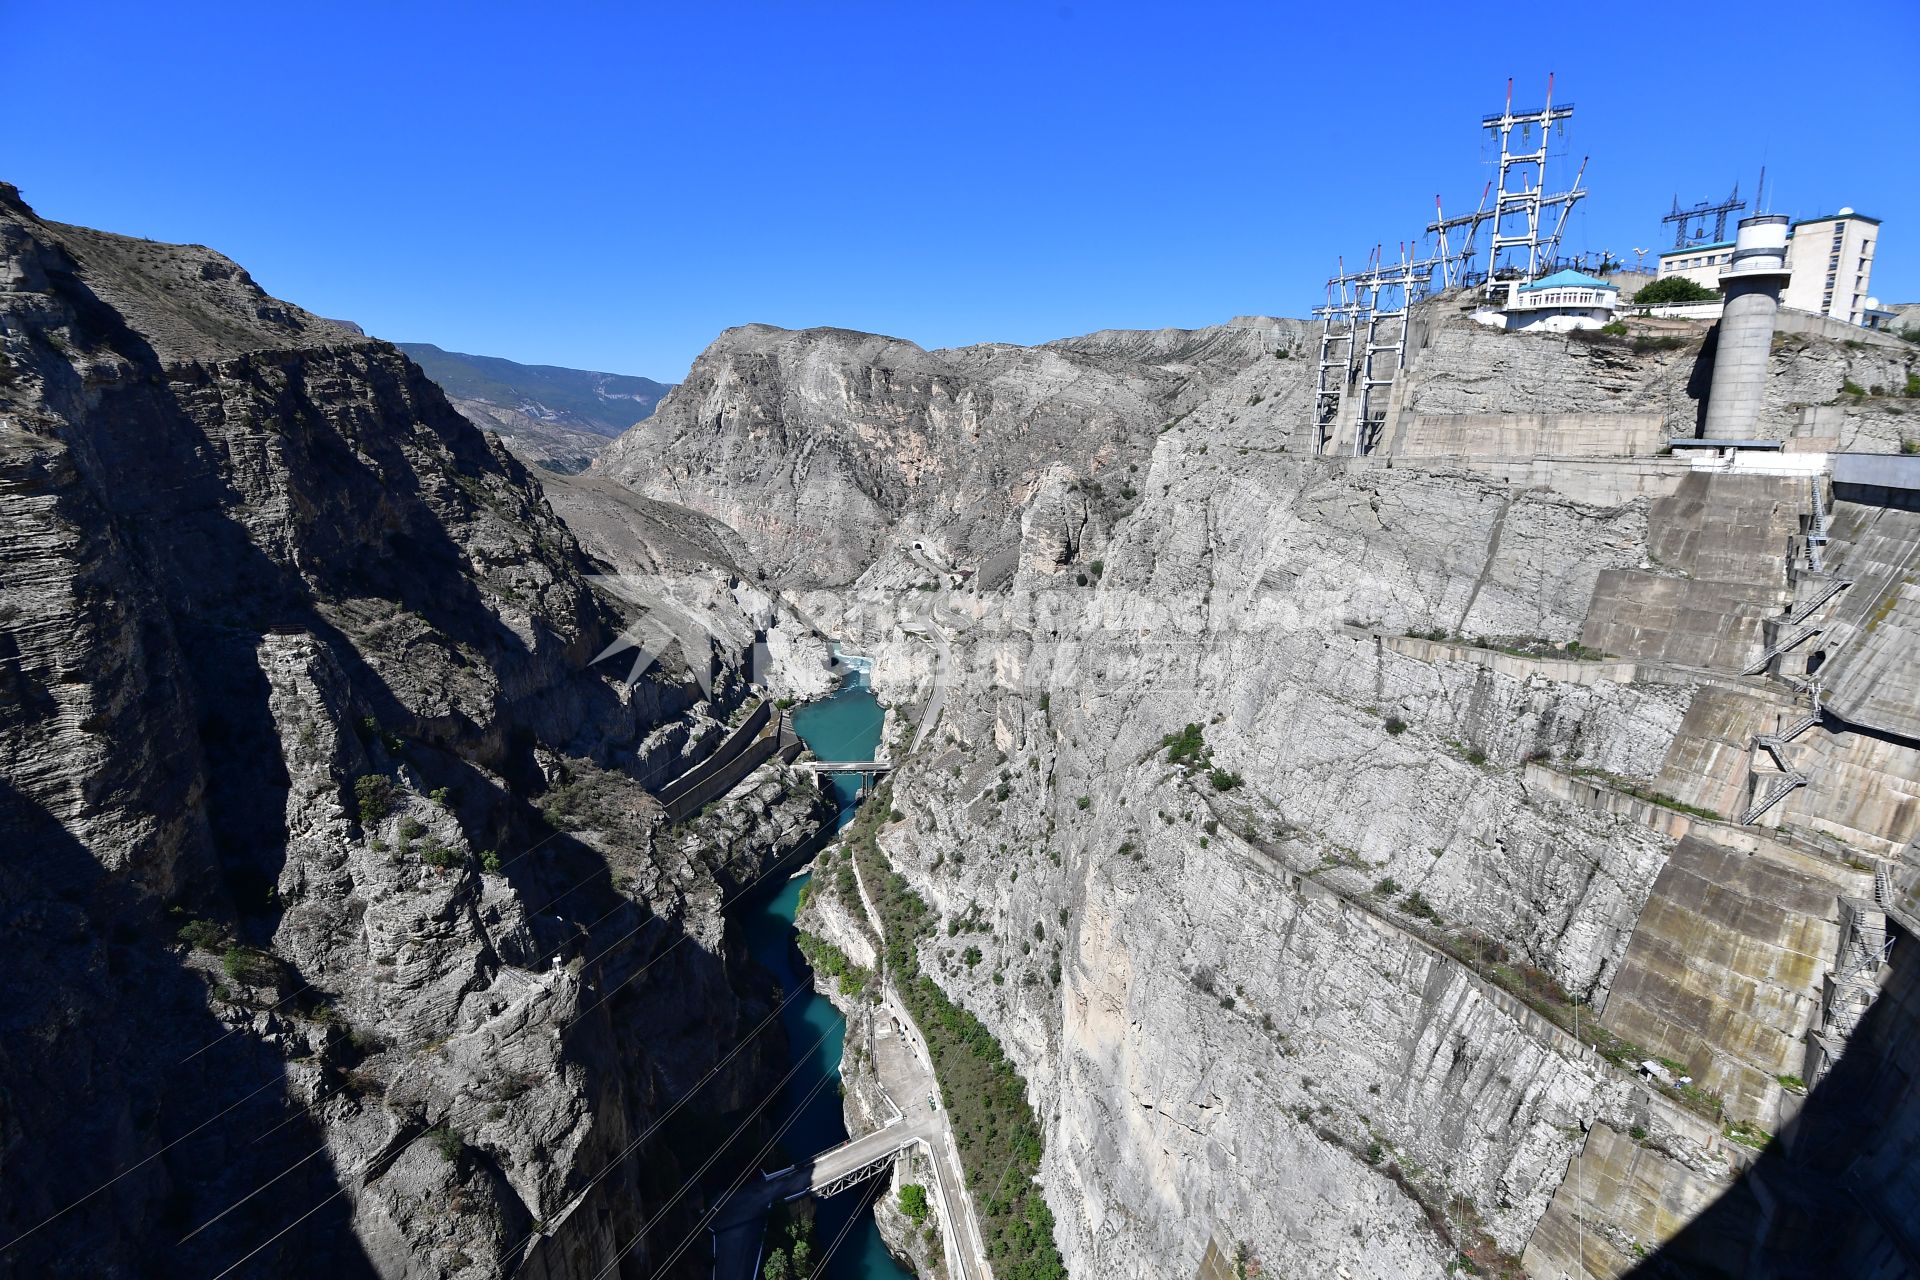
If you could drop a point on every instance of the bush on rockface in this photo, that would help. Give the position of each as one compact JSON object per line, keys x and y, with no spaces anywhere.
{"x":374,"y":796}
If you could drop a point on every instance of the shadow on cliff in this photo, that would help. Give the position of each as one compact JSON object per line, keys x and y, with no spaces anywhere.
{"x":1700,"y":379}
{"x":109,"y":1054}
{"x":1832,"y":1195}
{"x":347,"y":517}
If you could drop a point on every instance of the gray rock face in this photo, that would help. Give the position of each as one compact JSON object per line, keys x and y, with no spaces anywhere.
{"x":1290,"y":998}
{"x":851,"y":438}
{"x":302,"y":978}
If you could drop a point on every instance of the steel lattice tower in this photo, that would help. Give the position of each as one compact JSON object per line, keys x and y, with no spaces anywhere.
{"x":1520,"y":200}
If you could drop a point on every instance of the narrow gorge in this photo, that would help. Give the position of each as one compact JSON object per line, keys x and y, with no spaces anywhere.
{"x":1494,"y":854}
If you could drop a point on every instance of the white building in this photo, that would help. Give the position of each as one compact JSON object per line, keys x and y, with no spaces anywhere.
{"x":1832,"y":263}
{"x":1700,"y":263}
{"x":1831,"y":259}
{"x":1559,"y":302}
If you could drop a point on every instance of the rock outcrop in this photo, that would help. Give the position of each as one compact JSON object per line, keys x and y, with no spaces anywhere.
{"x":345,"y":935}
{"x":1276,"y":818}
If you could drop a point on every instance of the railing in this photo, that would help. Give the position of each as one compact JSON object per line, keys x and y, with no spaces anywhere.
{"x":1760,"y":664}
{"x":1833,"y":588}
{"x":1788,"y":783}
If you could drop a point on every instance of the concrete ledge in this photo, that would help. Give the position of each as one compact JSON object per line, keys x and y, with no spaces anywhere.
{"x":1890,"y":471}
{"x":1527,"y":435}
{"x":1559,"y":670}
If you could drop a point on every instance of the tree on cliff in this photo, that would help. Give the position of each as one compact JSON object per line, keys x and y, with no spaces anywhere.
{"x":1675,"y":289}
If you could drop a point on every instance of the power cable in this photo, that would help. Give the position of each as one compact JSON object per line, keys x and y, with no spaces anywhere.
{"x":724,"y":1196}
{"x":846,"y":1228}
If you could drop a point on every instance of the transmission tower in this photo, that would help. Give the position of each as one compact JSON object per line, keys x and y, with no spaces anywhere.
{"x":1340,"y":320}
{"x":1390,"y":290}
{"x":1520,"y":195}
{"x":1699,"y":213}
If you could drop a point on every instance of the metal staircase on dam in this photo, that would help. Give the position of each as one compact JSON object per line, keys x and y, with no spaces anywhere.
{"x":1787,"y":783}
{"x":1854,"y":981}
{"x":1817,"y":528}
{"x":1794,"y":638}
{"x":1828,"y":590}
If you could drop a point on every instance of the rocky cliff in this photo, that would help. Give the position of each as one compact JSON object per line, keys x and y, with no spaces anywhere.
{"x":345,"y":936}
{"x":1272,"y":812}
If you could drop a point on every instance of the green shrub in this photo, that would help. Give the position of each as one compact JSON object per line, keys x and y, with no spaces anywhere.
{"x":1851,"y":388}
{"x":411,"y":830}
{"x":1913,"y":385}
{"x":971,"y":956}
{"x":1224,"y":780}
{"x":490,"y":861}
{"x":1395,"y":725}
{"x":245,"y":964}
{"x":1675,"y":289}
{"x":1388,"y":886}
{"x":913,"y":1203}
{"x":1615,"y":329}
{"x":374,"y":795}
{"x":1417,"y":905}
{"x":447,"y":1142}
{"x":1187,"y":747}
{"x":202,"y":935}
{"x":1083,"y":803}
{"x":435,"y":854}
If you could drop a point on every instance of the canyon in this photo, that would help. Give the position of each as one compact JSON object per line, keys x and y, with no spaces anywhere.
{"x":1372,"y":866}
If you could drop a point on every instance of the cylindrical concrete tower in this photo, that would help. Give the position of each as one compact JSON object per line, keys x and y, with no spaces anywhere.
{"x":1752,"y":284}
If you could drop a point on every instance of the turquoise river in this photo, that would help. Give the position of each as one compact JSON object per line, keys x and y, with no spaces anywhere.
{"x":845,"y":726}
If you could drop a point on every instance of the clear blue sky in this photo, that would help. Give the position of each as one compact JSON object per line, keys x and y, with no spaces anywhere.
{"x":610,"y":185}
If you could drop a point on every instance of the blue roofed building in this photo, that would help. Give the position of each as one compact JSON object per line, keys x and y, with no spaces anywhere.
{"x":1557,"y":303}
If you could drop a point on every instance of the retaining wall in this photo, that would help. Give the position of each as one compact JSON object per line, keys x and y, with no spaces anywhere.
{"x":1529,"y":435}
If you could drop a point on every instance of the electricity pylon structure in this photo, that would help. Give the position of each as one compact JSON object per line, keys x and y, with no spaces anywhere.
{"x":1517,"y":248}
{"x":1699,"y":213}
{"x":1340,"y":320}
{"x":1363,"y":343}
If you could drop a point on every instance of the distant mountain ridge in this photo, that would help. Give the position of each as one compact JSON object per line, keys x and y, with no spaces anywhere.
{"x":603,"y":403}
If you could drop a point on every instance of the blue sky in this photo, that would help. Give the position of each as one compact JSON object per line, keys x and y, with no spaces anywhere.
{"x":610,"y":185}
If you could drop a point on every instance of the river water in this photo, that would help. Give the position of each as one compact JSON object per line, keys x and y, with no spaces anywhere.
{"x":845,"y":726}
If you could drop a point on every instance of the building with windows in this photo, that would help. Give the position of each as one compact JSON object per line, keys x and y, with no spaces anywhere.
{"x":1559,"y":302}
{"x":1831,"y":259}
{"x":1700,"y":263}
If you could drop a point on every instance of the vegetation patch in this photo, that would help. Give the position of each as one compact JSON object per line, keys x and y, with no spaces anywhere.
{"x":998,"y":1136}
{"x":1640,"y":791}
{"x":1675,"y":289}
{"x":823,"y":957}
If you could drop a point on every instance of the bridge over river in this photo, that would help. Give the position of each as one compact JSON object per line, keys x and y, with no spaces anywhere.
{"x":908,"y":1081}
